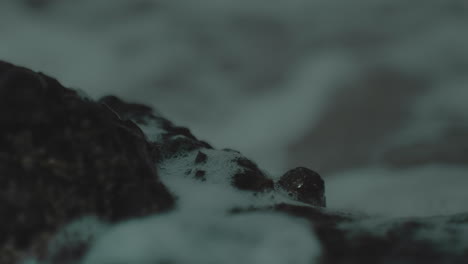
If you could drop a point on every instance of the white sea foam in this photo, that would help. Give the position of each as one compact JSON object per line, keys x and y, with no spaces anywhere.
{"x":201,"y":229}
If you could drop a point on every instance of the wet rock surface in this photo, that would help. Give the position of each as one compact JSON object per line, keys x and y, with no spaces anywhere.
{"x":251,"y":177}
{"x":63,"y":157}
{"x":304,"y":185}
{"x":177,"y":140}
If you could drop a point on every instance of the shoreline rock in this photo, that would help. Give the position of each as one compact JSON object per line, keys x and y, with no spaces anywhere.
{"x":64,"y":157}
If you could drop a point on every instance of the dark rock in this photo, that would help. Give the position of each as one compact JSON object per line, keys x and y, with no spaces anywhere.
{"x":177,"y":140}
{"x":179,"y":131}
{"x":200,"y":175}
{"x":201,"y":158}
{"x":179,"y":146}
{"x":63,"y":157}
{"x":174,"y":141}
{"x":141,"y":114}
{"x":250,"y":177}
{"x":304,"y":185}
{"x":127,"y":111}
{"x":70,"y":253}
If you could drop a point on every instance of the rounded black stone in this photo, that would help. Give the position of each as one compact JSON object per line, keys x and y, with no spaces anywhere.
{"x":304,"y":185}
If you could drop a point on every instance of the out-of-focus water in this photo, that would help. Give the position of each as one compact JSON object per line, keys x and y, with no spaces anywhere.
{"x":371,"y":94}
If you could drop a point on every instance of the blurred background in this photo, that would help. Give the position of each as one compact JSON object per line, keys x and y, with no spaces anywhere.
{"x":370,"y":94}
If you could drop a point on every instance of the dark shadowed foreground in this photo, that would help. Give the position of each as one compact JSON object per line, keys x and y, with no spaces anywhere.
{"x":64,"y":157}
